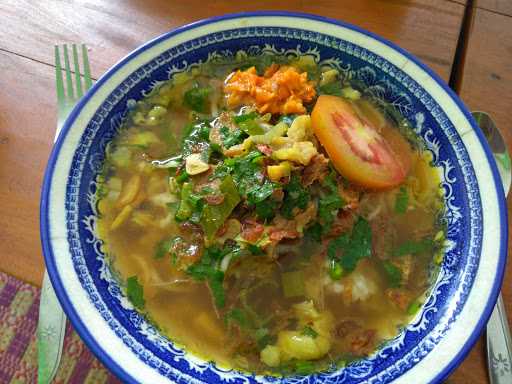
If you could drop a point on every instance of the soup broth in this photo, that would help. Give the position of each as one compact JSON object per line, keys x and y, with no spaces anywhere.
{"x":266,"y":215}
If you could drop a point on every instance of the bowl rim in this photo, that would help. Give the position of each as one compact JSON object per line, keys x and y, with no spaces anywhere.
{"x":48,"y":254}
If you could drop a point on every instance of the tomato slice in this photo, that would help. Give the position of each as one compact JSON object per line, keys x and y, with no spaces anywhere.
{"x":358,"y":151}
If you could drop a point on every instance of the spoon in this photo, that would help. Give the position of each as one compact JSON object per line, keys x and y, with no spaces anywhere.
{"x":499,"y":344}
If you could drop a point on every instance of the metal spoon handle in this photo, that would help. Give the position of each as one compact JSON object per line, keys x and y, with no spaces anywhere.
{"x":499,"y":346}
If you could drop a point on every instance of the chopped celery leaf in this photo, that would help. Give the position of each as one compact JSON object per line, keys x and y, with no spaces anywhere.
{"x":393,"y":274}
{"x":231,"y":137}
{"x":333,"y":88}
{"x":347,"y":250}
{"x":411,"y":247}
{"x":238,"y":316}
{"x":162,"y":248}
{"x":296,"y":195}
{"x":402,"y":201}
{"x":330,"y":202}
{"x":206,"y":269}
{"x":196,"y":99}
{"x":135,"y":292}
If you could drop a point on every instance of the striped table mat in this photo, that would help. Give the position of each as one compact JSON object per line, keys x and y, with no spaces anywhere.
{"x":19,"y":308}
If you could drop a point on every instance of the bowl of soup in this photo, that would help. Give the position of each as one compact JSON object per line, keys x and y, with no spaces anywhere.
{"x":266,"y":197}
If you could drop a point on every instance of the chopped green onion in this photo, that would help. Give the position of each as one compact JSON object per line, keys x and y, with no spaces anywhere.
{"x":248,"y":116}
{"x":335,"y":270}
{"x":185,"y":208}
{"x":251,"y":127}
{"x":194,"y":199}
{"x":214,"y":216}
{"x":413,"y":307}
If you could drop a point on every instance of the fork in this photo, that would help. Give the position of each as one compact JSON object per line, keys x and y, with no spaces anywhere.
{"x":67,"y":100}
{"x":51,"y":326}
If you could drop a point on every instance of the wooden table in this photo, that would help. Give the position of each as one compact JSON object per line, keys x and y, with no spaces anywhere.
{"x":28,"y":31}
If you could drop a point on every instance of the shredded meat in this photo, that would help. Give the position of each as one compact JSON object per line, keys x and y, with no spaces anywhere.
{"x":342,"y":223}
{"x":291,"y":229}
{"x":317,"y":169}
{"x":280,"y":234}
{"x":362,"y":341}
{"x":381,"y":238}
{"x":345,"y":327}
{"x":303,"y":218}
{"x":282,"y":229}
{"x":399,"y":297}
{"x":252,"y":230}
{"x":278,"y":194}
{"x":202,"y":181}
{"x":280,"y":223}
{"x":351,"y":196}
{"x":405,"y":264}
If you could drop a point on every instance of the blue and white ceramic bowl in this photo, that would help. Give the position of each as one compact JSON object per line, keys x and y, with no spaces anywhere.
{"x":468,"y":284}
